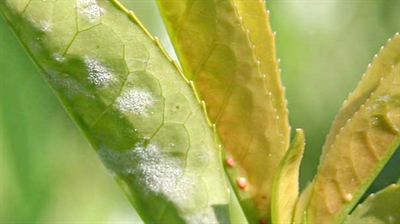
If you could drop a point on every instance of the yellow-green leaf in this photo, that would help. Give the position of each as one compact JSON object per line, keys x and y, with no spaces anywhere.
{"x":226,"y":49}
{"x":380,"y":67}
{"x":380,"y":208}
{"x":364,"y":142}
{"x":286,"y":183}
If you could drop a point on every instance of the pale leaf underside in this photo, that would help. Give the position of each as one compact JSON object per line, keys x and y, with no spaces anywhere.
{"x":380,"y":208}
{"x":363,"y":143}
{"x":227,"y":49}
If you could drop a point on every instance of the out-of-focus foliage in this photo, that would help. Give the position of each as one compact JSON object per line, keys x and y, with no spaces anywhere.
{"x":45,"y":162}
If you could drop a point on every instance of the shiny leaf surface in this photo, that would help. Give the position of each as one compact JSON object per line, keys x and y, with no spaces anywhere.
{"x":131,"y":102}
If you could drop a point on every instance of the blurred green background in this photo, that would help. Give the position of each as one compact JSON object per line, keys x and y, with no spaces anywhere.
{"x":49,"y":173}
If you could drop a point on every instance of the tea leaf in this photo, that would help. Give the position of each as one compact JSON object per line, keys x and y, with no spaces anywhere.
{"x":363,"y":144}
{"x":226,"y":49}
{"x":300,"y":215}
{"x":380,"y":67}
{"x":380,"y":208}
{"x":130,"y":101}
{"x":286,"y":183}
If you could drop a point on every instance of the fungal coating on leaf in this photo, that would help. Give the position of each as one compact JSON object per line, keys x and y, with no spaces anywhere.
{"x":90,"y":10}
{"x":131,"y":102}
{"x":98,"y":74}
{"x":134,"y":101}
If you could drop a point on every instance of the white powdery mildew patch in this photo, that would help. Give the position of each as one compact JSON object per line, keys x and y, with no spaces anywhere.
{"x":161,"y":175}
{"x":149,"y":164}
{"x":90,"y":10}
{"x":98,"y":74}
{"x":58,"y":57}
{"x":46,"y":26}
{"x":134,"y":101}
{"x":207,"y":217}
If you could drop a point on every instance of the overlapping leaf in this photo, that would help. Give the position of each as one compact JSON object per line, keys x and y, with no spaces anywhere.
{"x":380,"y":208}
{"x":286,"y":183}
{"x":133,"y":105}
{"x":227,"y":49}
{"x":363,"y":137}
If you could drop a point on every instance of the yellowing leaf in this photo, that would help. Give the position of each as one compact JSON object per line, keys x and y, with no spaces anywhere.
{"x":380,"y":208}
{"x":286,"y":183}
{"x":380,"y":67}
{"x":227,"y":49}
{"x":363,"y":144}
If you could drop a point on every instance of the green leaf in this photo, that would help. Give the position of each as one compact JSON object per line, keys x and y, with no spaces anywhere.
{"x":363,"y":144}
{"x":300,"y":215}
{"x":130,"y":101}
{"x":286,"y":183}
{"x":226,"y":48}
{"x":380,"y":208}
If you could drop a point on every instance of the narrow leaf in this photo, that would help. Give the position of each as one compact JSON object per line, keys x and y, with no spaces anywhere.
{"x":300,"y":215}
{"x":131,"y":102}
{"x":380,"y":208}
{"x":286,"y":183}
{"x":227,"y":49}
{"x":364,"y":143}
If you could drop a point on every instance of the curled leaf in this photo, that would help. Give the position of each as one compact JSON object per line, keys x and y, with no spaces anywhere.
{"x":286,"y":183}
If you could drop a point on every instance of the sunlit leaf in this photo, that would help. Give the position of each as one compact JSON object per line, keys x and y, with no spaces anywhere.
{"x":380,"y":208}
{"x":227,"y":49}
{"x":300,"y":215}
{"x":364,"y":142}
{"x":286,"y":183}
{"x":130,"y":101}
{"x":380,"y":67}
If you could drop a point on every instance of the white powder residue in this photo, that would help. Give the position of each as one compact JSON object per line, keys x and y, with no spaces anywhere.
{"x":207,"y":217}
{"x":162,"y":175}
{"x":58,"y":57}
{"x":46,"y":26}
{"x":134,"y":101}
{"x":149,"y":164}
{"x":90,"y":10}
{"x":98,"y":74}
